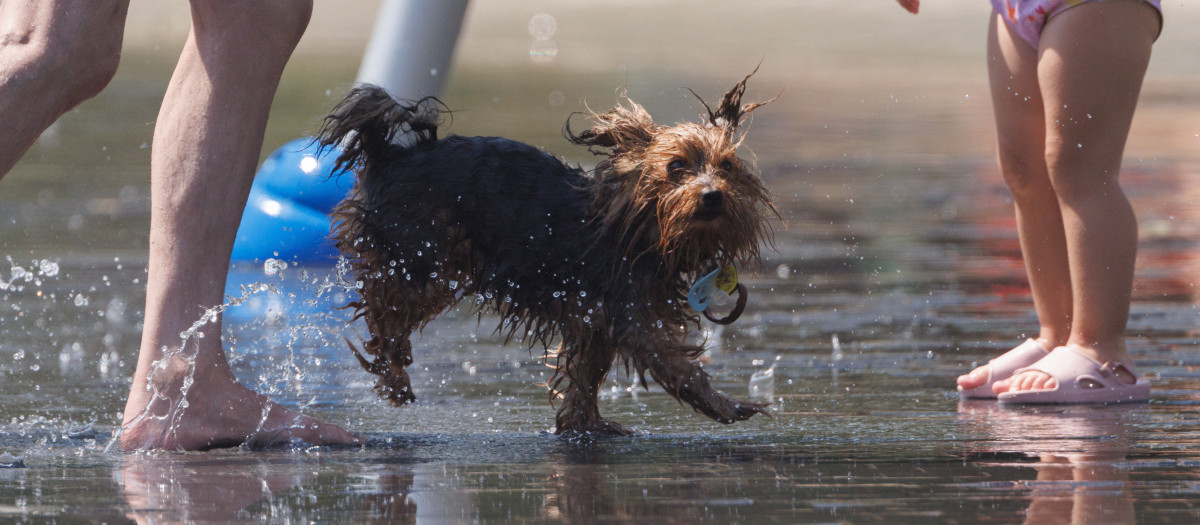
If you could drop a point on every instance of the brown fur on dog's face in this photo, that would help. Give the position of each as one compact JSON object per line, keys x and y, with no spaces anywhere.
{"x":683,"y":190}
{"x":710,"y":201}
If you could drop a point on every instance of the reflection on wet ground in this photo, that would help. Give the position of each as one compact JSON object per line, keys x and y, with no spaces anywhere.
{"x":889,"y":278}
{"x":886,"y":283}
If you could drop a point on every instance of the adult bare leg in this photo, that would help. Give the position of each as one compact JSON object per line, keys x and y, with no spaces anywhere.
{"x":54,"y":54}
{"x":1092,"y":60}
{"x":1021,"y":137}
{"x":206,"y":145}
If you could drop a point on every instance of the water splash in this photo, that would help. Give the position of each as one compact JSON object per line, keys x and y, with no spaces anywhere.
{"x":9,"y":461}
{"x":185,"y":354}
{"x":837,"y":356}
{"x":762,"y":384}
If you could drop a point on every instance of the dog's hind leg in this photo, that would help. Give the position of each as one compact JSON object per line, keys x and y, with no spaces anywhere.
{"x":679,"y":375}
{"x":393,"y":310}
{"x":398,"y":288}
{"x":584,"y":364}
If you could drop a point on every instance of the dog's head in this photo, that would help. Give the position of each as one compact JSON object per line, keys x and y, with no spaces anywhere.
{"x":680,"y":190}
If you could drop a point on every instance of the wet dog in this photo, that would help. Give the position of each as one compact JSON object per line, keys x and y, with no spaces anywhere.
{"x":598,"y":260}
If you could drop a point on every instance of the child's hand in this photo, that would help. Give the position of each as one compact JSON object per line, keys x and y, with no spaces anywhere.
{"x":910,"y":5}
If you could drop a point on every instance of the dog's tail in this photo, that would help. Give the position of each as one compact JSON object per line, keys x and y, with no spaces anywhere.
{"x":369,"y":121}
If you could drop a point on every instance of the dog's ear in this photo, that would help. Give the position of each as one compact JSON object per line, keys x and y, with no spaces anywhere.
{"x":623,"y":129}
{"x":731,"y":112}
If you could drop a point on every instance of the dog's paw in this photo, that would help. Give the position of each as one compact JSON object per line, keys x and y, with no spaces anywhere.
{"x":595,"y":427}
{"x":397,"y":395}
{"x":737,"y":410}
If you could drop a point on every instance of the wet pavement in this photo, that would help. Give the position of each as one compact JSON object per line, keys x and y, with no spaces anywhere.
{"x":892,"y":272}
{"x":864,"y":331}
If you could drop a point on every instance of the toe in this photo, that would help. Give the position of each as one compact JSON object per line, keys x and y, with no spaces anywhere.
{"x":1002,"y":386}
{"x":328,"y":434}
{"x":1029,"y":381}
{"x":1021,"y":382}
{"x":284,"y":425}
{"x":974,"y":378}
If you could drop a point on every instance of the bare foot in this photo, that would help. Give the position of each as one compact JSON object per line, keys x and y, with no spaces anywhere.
{"x":213,"y":411}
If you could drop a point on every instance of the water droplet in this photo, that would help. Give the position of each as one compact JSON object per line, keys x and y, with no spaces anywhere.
{"x":48,"y":268}
{"x":542,"y":25}
{"x":543,"y":50}
{"x":274,"y":266}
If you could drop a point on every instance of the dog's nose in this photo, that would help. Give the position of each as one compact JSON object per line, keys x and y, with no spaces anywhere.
{"x":712,"y":199}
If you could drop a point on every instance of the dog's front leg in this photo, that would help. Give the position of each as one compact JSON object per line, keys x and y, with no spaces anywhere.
{"x":680,"y":376}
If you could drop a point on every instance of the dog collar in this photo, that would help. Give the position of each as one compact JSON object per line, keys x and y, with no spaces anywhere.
{"x":723,"y":279}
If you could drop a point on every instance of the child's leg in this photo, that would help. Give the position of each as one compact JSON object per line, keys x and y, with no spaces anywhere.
{"x":1021,"y":137}
{"x":1090,"y":68}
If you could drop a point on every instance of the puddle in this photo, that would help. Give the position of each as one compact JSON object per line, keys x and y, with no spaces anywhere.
{"x":892,"y":276}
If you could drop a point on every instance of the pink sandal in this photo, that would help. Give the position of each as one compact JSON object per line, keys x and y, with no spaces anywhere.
{"x":1081,"y":379}
{"x":1002,"y":368}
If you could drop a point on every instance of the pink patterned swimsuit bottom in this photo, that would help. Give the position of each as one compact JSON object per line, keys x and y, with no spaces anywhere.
{"x":1028,"y":17}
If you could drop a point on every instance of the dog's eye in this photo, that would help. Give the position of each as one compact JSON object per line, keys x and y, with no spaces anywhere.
{"x":726,"y":165}
{"x":675,"y":166}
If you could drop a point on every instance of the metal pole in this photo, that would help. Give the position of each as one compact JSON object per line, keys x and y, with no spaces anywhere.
{"x":412,"y":45}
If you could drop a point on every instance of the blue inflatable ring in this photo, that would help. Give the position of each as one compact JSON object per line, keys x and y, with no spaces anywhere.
{"x":287,"y":214}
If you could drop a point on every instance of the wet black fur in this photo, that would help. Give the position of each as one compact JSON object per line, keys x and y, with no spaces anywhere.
{"x":512,"y":229}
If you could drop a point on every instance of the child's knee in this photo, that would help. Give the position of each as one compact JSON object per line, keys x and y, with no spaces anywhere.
{"x":1077,"y":173}
{"x":1024,"y":174}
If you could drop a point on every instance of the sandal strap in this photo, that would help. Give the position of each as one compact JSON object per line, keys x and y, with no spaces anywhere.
{"x":1029,"y":352}
{"x":1003,"y":366}
{"x":1070,"y":369}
